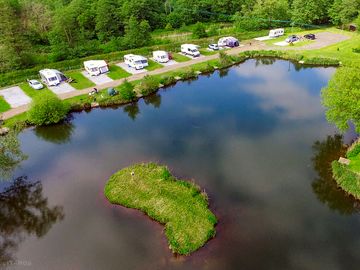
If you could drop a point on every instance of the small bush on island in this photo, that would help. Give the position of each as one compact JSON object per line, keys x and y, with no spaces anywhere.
{"x":47,"y":109}
{"x":348,"y":180}
{"x":180,"y":205}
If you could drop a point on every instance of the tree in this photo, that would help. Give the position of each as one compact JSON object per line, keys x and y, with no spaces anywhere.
{"x":310,"y":11}
{"x":108,"y":23}
{"x":269,"y":11}
{"x":137,"y":34}
{"x":127,"y":91}
{"x":342,"y":98}
{"x":47,"y":109}
{"x":344,"y":11}
{"x":199,"y":30}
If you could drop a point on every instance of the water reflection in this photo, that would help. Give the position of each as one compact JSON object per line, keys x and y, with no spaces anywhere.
{"x":23,"y":212}
{"x":154,"y":99}
{"x":57,"y":134}
{"x":132,"y":110}
{"x":325,"y":187}
{"x":10,"y":155}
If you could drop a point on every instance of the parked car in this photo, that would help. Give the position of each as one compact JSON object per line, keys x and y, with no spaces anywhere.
{"x":292,"y":38}
{"x":190,"y":49}
{"x":310,"y":36}
{"x":35,"y":84}
{"x":213,"y":47}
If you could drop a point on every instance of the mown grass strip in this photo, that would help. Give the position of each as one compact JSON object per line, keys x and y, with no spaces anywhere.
{"x":180,"y":58}
{"x":117,"y":73}
{"x":153,"y":65}
{"x":80,"y":81}
{"x":4,"y":106}
{"x":32,"y":92}
{"x":178,"y":204}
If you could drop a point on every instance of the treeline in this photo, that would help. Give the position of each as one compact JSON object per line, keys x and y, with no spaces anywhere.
{"x":40,"y":31}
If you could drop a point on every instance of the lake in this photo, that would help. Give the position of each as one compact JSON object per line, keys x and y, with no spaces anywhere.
{"x":254,"y":137}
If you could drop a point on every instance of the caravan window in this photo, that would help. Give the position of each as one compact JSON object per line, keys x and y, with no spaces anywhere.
{"x":144,"y":61}
{"x":51,"y":79}
{"x":138,"y":62}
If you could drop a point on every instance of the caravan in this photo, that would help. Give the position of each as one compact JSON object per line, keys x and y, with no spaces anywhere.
{"x":52,"y":77}
{"x":96,"y":67}
{"x":136,"y":61}
{"x":274,"y":33}
{"x":190,"y":49}
{"x":161,"y":56}
{"x":228,"y":42}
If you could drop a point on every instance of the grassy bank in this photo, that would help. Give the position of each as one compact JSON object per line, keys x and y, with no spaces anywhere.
{"x":348,"y":176}
{"x":4,"y":106}
{"x":179,"y":205}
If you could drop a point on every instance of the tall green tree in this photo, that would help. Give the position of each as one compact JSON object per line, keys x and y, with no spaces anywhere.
{"x":342,"y":98}
{"x":344,"y":11}
{"x":137,"y":34}
{"x":108,"y":23}
{"x":310,"y":11}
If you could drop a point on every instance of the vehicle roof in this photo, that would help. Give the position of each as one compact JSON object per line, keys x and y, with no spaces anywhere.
{"x":160,"y":52}
{"x":95,"y":63}
{"x":34,"y":81}
{"x":49,"y":72}
{"x":135,"y":57}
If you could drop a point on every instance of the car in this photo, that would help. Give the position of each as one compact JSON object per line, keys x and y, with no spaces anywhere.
{"x":292,"y":38}
{"x":35,"y":84}
{"x":213,"y":47}
{"x":310,"y":36}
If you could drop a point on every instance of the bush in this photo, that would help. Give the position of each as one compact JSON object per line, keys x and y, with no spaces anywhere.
{"x":346,"y":179}
{"x":147,"y":86}
{"x":354,"y":150}
{"x":199,"y":30}
{"x":47,"y":109}
{"x":127,"y":91}
{"x":167,"y":80}
{"x":187,"y":74}
{"x":225,"y":60}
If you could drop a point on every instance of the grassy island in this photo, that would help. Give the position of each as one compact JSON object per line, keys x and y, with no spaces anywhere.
{"x":180,"y":205}
{"x":348,"y":176}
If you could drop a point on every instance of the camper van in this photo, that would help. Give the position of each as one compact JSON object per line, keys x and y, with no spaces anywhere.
{"x":190,"y":49}
{"x":274,"y":33}
{"x":96,"y":67}
{"x":52,"y":77}
{"x":136,"y":61}
{"x":228,"y":42}
{"x":161,"y":56}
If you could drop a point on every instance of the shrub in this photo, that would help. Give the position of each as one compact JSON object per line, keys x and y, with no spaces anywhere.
{"x":346,"y":179}
{"x":47,"y":109}
{"x":199,"y":30}
{"x":147,"y":86}
{"x":354,"y":150}
{"x":225,"y":60}
{"x":187,"y":74}
{"x":127,"y":91}
{"x":167,"y":80}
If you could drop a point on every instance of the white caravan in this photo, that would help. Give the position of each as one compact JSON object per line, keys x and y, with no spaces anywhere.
{"x":190,"y":49}
{"x":136,"y":61}
{"x":52,"y":77}
{"x":96,"y":67}
{"x":274,"y":33}
{"x":161,"y":56}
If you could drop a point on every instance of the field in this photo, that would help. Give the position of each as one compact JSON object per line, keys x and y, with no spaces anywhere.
{"x":4,"y":106}
{"x":117,"y":73}
{"x":80,"y":81}
{"x":32,"y":92}
{"x":153,"y":65}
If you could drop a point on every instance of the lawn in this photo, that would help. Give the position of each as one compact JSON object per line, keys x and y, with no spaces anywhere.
{"x":207,"y":52}
{"x":153,"y":65}
{"x":4,"y":106}
{"x":80,"y":81}
{"x":32,"y":92}
{"x":180,"y":58}
{"x":179,"y":205}
{"x":117,"y":73}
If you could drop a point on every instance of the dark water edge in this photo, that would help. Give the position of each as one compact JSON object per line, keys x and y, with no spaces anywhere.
{"x":254,"y":137}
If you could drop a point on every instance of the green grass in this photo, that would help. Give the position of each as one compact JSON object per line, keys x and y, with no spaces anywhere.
{"x":347,"y":179}
{"x":206,"y":52}
{"x":31,"y":92}
{"x":180,"y":58}
{"x":4,"y":106}
{"x":179,"y":205}
{"x":153,"y":65}
{"x":81,"y":82}
{"x":117,"y":73}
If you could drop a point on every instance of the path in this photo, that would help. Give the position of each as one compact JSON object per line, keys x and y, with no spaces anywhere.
{"x":324,"y":39}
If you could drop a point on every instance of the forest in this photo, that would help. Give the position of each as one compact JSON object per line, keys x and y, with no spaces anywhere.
{"x":41,"y":31}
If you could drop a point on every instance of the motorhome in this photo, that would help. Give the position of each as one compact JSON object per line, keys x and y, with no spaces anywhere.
{"x":96,"y":67}
{"x":190,"y":49}
{"x":274,"y":33}
{"x":136,"y":61}
{"x":161,"y":56}
{"x":52,"y":77}
{"x":228,"y":42}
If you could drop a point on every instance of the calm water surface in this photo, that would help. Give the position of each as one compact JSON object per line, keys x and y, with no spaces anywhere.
{"x":247,"y":136}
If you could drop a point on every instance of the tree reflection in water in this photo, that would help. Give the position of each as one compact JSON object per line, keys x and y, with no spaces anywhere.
{"x":325,"y":187}
{"x":154,"y":99}
{"x":57,"y":134}
{"x":24,"y":212}
{"x":132,"y":110}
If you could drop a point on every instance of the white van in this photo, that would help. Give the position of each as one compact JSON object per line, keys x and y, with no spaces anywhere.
{"x":96,"y":67}
{"x":52,"y":77}
{"x":161,"y":56}
{"x":274,"y":33}
{"x":136,"y":61}
{"x":190,"y":49}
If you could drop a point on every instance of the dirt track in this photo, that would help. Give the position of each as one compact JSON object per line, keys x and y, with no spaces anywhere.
{"x":324,"y":39}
